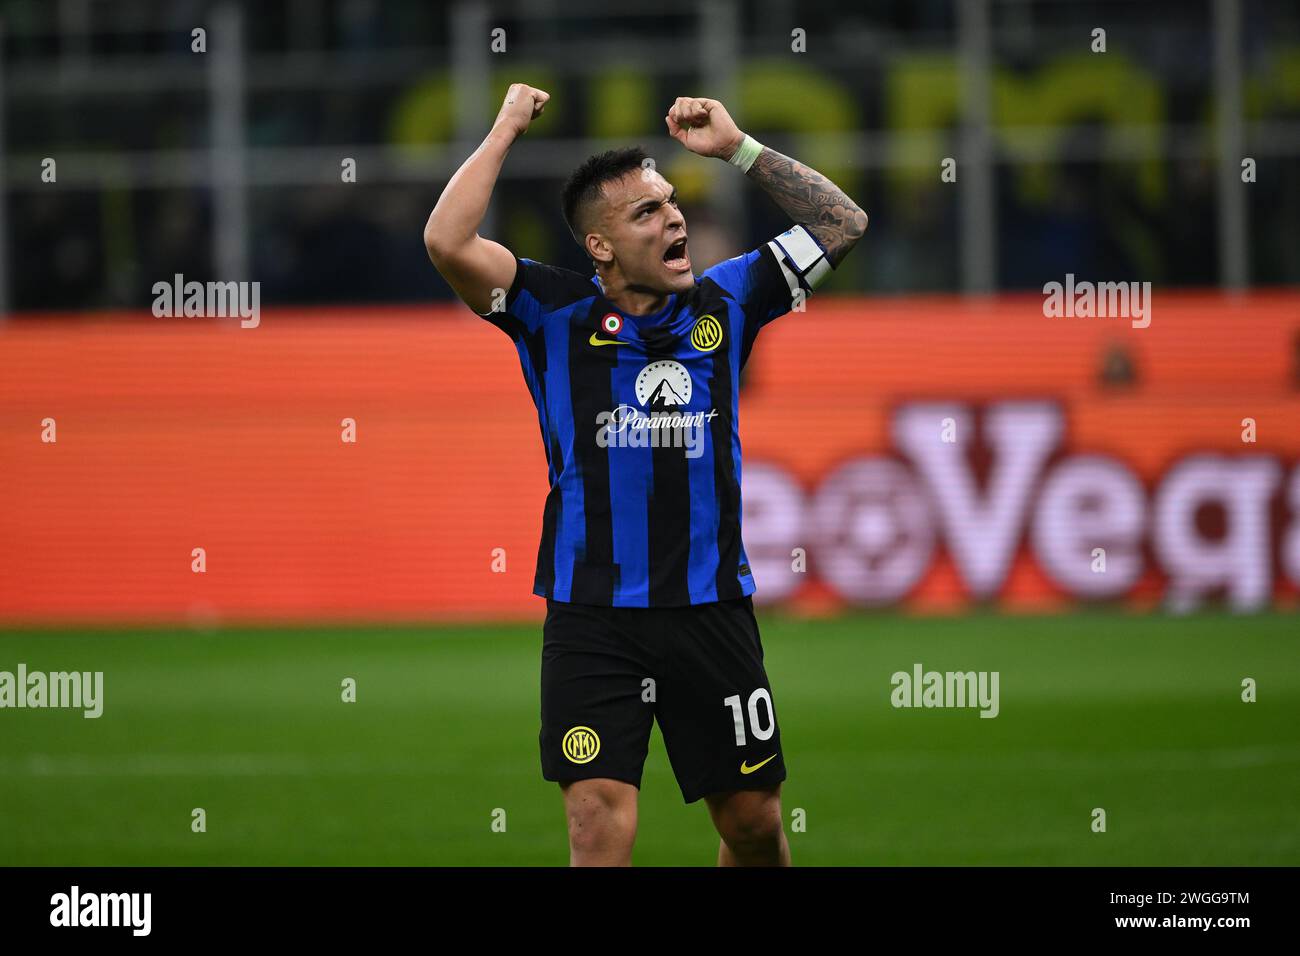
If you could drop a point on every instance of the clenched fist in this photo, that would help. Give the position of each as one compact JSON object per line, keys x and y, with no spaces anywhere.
{"x":704,"y":126}
{"x":522,"y":105}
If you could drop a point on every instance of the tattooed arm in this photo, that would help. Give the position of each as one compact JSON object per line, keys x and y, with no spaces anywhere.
{"x":705,"y":127}
{"x":812,"y":201}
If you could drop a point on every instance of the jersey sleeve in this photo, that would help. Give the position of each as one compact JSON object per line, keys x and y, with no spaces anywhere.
{"x":537,"y":289}
{"x":767,"y":280}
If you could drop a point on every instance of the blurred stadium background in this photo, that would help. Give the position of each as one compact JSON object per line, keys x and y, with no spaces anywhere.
{"x":375,"y":559}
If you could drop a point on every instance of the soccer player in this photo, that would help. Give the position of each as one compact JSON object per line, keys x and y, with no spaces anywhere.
{"x":634,"y":372}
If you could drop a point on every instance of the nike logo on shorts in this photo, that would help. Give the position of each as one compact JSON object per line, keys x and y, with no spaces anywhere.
{"x":746,"y":768}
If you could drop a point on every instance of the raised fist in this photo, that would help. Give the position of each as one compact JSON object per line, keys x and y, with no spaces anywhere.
{"x":522,"y":105}
{"x":704,"y":126}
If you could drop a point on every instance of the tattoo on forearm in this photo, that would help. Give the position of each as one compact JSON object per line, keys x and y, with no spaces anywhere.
{"x":811,"y":200}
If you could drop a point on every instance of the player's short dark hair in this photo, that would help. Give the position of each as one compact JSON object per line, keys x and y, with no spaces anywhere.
{"x":584,"y":185}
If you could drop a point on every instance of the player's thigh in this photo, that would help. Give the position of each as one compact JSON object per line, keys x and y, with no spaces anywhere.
{"x":595,"y":723}
{"x":716,"y":708}
{"x":746,"y":813}
{"x":600,"y":800}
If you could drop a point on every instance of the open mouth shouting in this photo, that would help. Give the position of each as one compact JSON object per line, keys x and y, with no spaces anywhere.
{"x":675,"y":257}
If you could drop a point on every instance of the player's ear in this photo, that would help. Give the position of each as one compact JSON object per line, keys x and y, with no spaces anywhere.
{"x":599,"y":248}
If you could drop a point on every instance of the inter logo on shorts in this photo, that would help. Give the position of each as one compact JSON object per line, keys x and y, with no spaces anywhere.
{"x":580,"y":745}
{"x":707,"y":334}
{"x":612,"y":323}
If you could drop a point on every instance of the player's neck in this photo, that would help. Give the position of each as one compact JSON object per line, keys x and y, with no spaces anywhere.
{"x":630,"y":298}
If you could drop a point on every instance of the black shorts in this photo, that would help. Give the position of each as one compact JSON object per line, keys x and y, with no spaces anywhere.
{"x":608,"y":672}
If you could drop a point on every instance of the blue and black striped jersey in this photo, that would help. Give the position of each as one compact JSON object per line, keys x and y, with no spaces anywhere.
{"x":639,"y":418}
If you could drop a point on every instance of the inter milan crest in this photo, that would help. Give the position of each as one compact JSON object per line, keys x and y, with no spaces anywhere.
{"x":707,"y":334}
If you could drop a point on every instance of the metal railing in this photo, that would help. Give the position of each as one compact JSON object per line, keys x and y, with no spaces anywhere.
{"x":230,"y":167}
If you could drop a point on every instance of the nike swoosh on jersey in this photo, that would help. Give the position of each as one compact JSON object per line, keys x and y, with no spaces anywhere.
{"x":595,"y":341}
{"x":746,"y":768}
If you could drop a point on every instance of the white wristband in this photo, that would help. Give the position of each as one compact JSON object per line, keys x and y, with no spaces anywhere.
{"x":746,"y":153}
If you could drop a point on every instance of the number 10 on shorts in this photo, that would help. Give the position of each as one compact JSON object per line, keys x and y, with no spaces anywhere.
{"x":755,"y":726}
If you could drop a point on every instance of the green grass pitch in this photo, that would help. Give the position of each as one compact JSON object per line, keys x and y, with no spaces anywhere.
{"x":1139,"y":715}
